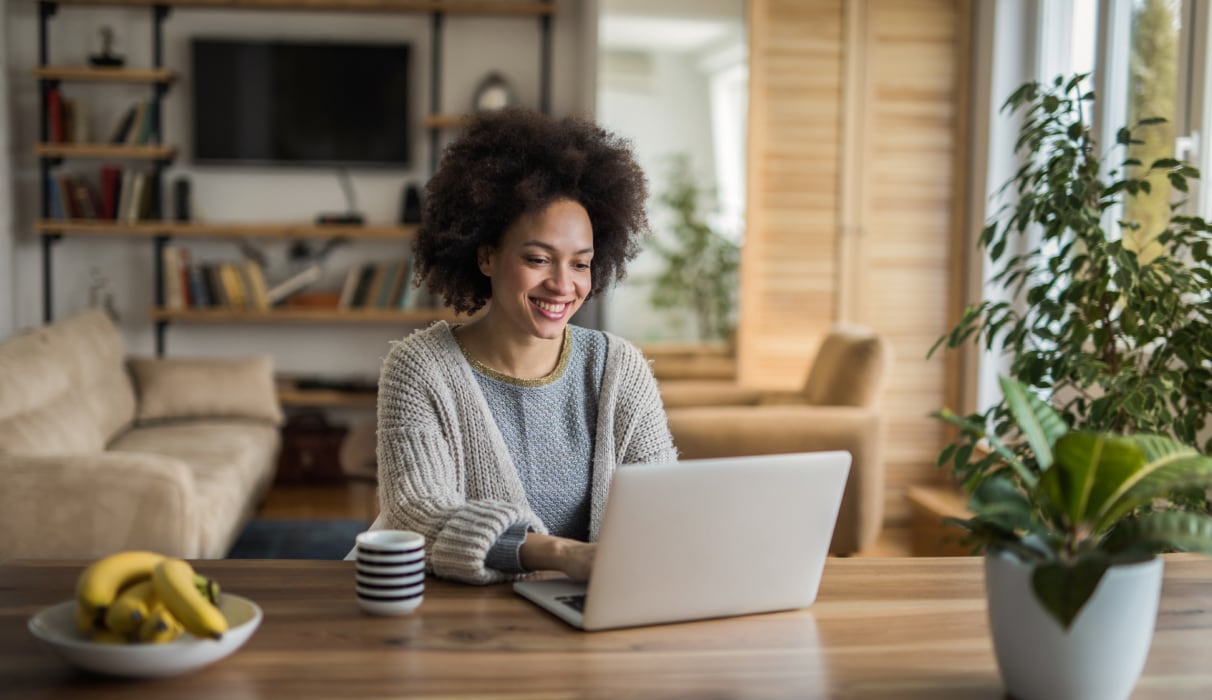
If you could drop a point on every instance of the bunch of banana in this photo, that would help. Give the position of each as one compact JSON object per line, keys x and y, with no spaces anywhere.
{"x":140,"y":596}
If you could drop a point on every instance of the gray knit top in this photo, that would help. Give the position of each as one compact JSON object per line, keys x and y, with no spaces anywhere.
{"x":446,"y":470}
{"x":548,"y":425}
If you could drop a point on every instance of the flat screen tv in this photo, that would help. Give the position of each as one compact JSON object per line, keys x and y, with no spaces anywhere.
{"x":300,"y":103}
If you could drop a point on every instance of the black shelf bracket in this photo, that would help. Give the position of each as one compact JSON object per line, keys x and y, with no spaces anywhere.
{"x":48,"y":256}
{"x":435,"y":89}
{"x":545,"y":49}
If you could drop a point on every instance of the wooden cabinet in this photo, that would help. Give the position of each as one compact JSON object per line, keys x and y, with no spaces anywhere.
{"x":857,"y":190}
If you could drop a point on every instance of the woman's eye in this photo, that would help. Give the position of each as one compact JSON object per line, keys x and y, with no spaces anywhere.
{"x":536,"y":261}
{"x":581,"y":266}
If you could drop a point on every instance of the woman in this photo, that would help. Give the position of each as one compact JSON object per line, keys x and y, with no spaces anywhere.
{"x":497,"y":439}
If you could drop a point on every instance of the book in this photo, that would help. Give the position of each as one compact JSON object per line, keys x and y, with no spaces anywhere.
{"x":111,"y":183}
{"x":258,"y":297}
{"x":233,"y":287}
{"x":214,"y":286}
{"x":407,"y":291}
{"x":147,"y":128}
{"x":56,"y":201}
{"x":174,"y":299}
{"x":134,"y":205}
{"x":122,"y":128}
{"x":199,"y":297}
{"x":376,"y":283}
{"x":292,"y":284}
{"x":63,"y":185}
{"x":54,"y":115}
{"x":366,"y":275}
{"x":80,"y":125}
{"x":124,"y":191}
{"x":136,"y":125}
{"x":84,"y":200}
{"x":350,"y":286}
{"x":391,"y":285}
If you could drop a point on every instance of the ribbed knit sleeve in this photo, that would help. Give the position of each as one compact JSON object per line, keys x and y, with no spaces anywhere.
{"x":641,"y":427}
{"x":439,"y":473}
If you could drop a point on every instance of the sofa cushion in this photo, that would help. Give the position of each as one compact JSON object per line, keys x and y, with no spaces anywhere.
{"x":173,"y":388}
{"x":232,"y":462}
{"x":849,"y":369}
{"x":64,"y":388}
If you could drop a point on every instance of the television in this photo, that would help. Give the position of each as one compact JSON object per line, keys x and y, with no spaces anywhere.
{"x":300,"y":103}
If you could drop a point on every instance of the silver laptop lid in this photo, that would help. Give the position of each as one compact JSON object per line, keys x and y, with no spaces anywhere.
{"x":713,"y":538}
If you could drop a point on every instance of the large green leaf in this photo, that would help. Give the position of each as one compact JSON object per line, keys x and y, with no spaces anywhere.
{"x":1169,"y":530}
{"x":1089,"y":469}
{"x":1064,"y":587}
{"x":1038,"y":421}
{"x":976,"y":429}
{"x":1170,"y":468}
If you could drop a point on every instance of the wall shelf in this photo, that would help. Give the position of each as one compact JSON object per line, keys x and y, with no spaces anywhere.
{"x":302,"y":315}
{"x":91,"y":74}
{"x":193,"y":229}
{"x":104,"y":150}
{"x":445,"y":121}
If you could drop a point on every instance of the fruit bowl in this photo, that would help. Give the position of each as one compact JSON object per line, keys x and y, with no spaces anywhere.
{"x":55,"y":627}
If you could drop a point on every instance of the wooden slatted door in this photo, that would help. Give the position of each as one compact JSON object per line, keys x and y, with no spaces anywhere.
{"x":789,"y":262}
{"x":858,"y":121}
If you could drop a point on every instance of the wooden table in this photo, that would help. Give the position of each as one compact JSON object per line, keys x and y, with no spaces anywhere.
{"x":881,"y":628}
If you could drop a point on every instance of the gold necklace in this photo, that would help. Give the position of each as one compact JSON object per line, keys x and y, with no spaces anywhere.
{"x":565,"y":350}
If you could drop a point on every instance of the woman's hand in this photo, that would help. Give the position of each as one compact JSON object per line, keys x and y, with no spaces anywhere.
{"x":550,"y":553}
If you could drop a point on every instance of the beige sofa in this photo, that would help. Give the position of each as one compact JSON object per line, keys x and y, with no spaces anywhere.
{"x":838,"y":408}
{"x":99,"y":453}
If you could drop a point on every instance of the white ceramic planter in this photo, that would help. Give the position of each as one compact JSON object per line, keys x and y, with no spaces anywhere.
{"x":1100,"y":657}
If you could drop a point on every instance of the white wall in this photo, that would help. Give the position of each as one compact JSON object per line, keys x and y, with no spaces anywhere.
{"x":660,"y":101}
{"x":8,"y":283}
{"x":472,"y":46}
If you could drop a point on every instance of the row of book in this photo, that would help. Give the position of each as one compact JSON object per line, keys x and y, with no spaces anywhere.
{"x":242,"y":285}
{"x":124,"y":195}
{"x":69,"y":120}
{"x":382,"y":285}
{"x":225,"y":284}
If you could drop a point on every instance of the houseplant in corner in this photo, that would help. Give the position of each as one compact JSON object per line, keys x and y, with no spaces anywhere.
{"x":1072,"y":522}
{"x":1073,"y":497}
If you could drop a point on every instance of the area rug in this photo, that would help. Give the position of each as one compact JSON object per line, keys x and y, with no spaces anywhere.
{"x":296,"y":539}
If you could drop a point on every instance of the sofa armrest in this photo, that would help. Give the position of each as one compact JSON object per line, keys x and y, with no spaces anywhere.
{"x":682,"y":393}
{"x":184,"y":388}
{"x":83,"y":506}
{"x":725,"y":431}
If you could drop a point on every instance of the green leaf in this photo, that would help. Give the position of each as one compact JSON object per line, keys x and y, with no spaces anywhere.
{"x":1152,"y":120}
{"x":1063,"y":588}
{"x":1089,"y":469}
{"x":1170,"y":467}
{"x":1170,"y":530}
{"x":1038,"y":421}
{"x":1161,"y":163}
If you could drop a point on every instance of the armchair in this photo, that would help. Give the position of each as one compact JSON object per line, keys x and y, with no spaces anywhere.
{"x":837,"y":409}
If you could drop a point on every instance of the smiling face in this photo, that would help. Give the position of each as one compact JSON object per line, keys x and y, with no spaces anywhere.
{"x":540,"y":270}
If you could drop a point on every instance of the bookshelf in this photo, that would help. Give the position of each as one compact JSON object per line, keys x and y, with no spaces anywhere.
{"x":162,"y":233}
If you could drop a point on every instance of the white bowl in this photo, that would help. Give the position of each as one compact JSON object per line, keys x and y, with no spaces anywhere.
{"x":56,"y":628}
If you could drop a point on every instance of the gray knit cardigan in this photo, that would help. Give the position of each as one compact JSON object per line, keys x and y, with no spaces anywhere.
{"x":444,"y":469}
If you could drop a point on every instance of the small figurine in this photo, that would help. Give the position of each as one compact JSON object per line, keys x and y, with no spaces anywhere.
{"x":106,"y":58}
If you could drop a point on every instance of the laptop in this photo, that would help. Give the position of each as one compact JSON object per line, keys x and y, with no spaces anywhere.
{"x":705,"y":538}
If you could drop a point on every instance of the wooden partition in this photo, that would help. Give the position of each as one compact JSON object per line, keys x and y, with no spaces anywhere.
{"x":858,"y":148}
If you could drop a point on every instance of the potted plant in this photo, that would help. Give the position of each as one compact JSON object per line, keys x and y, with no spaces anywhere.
{"x":1085,"y":470}
{"x":1122,"y":341}
{"x":701,"y":264}
{"x":1072,"y":521}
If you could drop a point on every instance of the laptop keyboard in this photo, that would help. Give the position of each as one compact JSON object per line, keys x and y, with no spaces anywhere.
{"x":576,"y":602}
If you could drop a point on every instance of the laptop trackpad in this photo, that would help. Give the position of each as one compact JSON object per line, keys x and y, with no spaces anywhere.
{"x":564,"y":598}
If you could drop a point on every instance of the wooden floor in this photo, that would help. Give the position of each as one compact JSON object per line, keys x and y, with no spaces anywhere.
{"x":357,"y":499}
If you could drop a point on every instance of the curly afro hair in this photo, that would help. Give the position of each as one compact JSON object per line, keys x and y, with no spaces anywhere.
{"x":512,"y":162}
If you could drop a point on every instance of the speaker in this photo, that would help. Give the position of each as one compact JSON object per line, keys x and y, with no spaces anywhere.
{"x":181,"y":208}
{"x":410,"y":206}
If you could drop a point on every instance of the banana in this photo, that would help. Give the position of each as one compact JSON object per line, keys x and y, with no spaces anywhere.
{"x":208,"y":587}
{"x":107,"y":637}
{"x":130,"y":608}
{"x":88,"y":619}
{"x":101,"y":582}
{"x":160,"y":625}
{"x":173,"y":580}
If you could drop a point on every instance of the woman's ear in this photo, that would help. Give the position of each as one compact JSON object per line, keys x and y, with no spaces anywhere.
{"x":484,"y":258}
